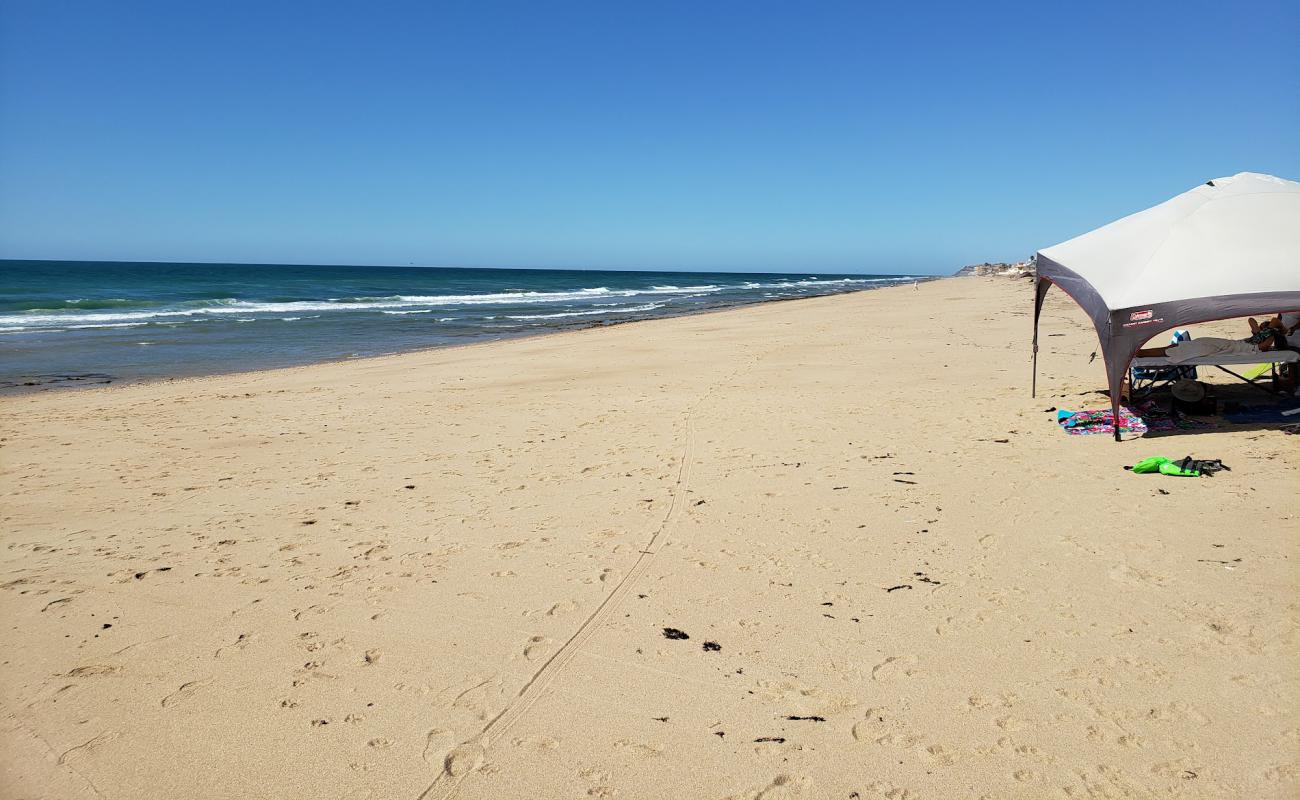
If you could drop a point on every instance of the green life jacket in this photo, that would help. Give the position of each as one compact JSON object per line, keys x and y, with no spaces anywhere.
{"x":1164,"y":466}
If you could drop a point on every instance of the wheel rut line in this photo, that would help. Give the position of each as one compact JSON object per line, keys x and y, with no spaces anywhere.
{"x":447,"y":783}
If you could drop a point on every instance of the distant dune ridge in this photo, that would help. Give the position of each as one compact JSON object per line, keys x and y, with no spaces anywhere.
{"x":825,"y":548}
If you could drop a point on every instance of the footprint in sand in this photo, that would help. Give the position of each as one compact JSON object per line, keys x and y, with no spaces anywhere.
{"x":871,"y":728}
{"x":894,"y":667}
{"x":880,"y":728}
{"x":641,"y":749}
{"x":1127,"y":573}
{"x":941,"y":754}
{"x":239,"y":644}
{"x":1283,"y":773}
{"x":86,"y":747}
{"x":310,"y":611}
{"x":463,"y":760}
{"x":538,"y":743}
{"x":593,"y":775}
{"x":537,"y":648}
{"x":978,"y":701}
{"x":185,"y":691}
{"x":782,"y":787}
{"x":91,"y":670}
{"x":560,"y":609}
{"x":1180,"y":713}
{"x":887,"y":792}
{"x":437,"y":745}
{"x":476,"y":697}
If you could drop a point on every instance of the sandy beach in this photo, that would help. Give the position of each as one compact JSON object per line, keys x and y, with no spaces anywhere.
{"x":826,"y":548}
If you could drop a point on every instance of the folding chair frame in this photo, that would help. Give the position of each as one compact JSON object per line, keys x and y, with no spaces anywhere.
{"x":1145,"y":380}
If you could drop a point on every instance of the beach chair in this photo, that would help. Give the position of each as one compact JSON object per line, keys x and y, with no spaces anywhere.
{"x":1262,"y":372}
{"x":1143,"y":380}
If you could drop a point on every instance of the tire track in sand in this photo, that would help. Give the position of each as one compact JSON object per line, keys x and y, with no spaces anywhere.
{"x":469,"y":755}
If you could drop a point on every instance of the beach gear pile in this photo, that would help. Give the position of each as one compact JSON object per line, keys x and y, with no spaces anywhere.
{"x":1187,"y":467}
{"x":1146,"y":416}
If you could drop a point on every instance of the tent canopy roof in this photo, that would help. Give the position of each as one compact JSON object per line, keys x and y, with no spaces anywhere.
{"x":1228,"y":248}
{"x":1229,"y":236}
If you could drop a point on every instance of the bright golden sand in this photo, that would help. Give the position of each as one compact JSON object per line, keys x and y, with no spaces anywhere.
{"x":449,"y":573}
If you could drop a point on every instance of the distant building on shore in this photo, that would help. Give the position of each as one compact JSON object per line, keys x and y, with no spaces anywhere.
{"x":1020,"y":269}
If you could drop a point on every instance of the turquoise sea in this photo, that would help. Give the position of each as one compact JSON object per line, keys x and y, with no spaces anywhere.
{"x":75,"y":323}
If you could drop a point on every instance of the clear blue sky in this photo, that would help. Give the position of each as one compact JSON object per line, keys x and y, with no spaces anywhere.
{"x":854,"y":136}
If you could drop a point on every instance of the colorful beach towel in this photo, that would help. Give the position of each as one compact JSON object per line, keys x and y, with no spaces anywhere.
{"x":1083,"y":423}
{"x":1147,"y":416}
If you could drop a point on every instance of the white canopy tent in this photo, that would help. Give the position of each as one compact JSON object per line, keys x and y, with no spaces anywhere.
{"x":1228,"y":248}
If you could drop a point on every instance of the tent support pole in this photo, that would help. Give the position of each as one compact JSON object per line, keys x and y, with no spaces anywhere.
{"x":1041,"y":285}
{"x":1114,"y":412}
{"x":1118,"y":361}
{"x":1033,"y":381}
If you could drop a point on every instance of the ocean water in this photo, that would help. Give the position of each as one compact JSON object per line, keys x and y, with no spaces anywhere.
{"x":74,"y":323}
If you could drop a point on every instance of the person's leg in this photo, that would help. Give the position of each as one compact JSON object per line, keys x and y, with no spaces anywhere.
{"x":1152,"y":352}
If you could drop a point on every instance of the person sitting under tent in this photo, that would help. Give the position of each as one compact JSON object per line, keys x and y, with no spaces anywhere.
{"x":1288,"y":321}
{"x":1285,"y":324}
{"x":1264,"y":336}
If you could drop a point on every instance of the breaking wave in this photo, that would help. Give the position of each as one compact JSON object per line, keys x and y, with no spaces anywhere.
{"x":78,"y":314}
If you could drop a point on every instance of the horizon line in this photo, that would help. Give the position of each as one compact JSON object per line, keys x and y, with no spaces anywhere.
{"x":429,"y":266}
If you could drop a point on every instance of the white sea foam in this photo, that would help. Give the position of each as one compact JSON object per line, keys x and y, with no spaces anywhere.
{"x":646,"y":307}
{"x":813,"y":283}
{"x":46,"y":328}
{"x":242,"y":307}
{"x":398,"y":304}
{"x":675,"y":289}
{"x":108,"y":325}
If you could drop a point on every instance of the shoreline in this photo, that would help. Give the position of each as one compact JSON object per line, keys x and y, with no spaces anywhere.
{"x":24,"y":390}
{"x":791,"y":550}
